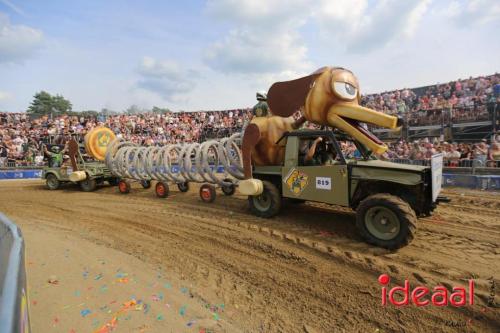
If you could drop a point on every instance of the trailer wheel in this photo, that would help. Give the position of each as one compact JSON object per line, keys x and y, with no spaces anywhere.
{"x":88,"y":185}
{"x":228,"y":189}
{"x":386,"y":220}
{"x":161,"y":190}
{"x":123,"y":186}
{"x":207,"y":193}
{"x":146,"y":184}
{"x":268,"y":203}
{"x":183,"y":187}
{"x":52,"y":182}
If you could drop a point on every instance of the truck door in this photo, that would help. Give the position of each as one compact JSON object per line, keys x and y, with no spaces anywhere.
{"x":326,"y":183}
{"x":317,"y":183}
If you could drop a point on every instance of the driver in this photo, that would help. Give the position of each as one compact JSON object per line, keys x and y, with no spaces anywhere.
{"x":55,"y":155}
{"x":317,"y":152}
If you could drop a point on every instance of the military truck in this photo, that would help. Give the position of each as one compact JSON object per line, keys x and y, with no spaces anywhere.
{"x":86,"y":172}
{"x":386,"y":196}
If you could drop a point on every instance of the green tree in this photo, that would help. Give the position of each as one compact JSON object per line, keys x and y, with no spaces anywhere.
{"x":44,"y":103}
{"x":61,"y":104}
{"x":160,"y":110}
{"x":133,"y":109}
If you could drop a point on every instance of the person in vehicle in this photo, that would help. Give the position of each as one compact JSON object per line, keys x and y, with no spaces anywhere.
{"x":316,"y":152}
{"x":55,"y":155}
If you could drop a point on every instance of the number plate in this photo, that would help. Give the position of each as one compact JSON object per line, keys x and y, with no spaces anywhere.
{"x":323,"y":183}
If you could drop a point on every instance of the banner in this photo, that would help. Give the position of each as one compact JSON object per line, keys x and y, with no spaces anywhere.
{"x":20,"y":174}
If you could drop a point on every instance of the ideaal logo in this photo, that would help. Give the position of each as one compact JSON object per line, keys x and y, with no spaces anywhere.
{"x":440,"y":296}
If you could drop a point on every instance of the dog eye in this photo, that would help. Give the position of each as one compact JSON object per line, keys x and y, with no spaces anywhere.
{"x":344,"y":90}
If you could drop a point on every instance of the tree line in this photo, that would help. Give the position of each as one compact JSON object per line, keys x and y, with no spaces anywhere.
{"x":52,"y":105}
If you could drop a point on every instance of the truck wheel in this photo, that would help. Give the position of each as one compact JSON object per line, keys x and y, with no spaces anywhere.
{"x":113,"y":181}
{"x":207,"y":193}
{"x":52,"y":182}
{"x":88,"y":185}
{"x":228,"y":189}
{"x":146,"y":184}
{"x":268,"y":203}
{"x":161,"y":190}
{"x":183,"y":187}
{"x":124,"y":186}
{"x":386,"y":220}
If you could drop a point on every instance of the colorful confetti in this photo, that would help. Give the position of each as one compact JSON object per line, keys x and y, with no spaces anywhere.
{"x":182,"y":310}
{"x":85,"y":312}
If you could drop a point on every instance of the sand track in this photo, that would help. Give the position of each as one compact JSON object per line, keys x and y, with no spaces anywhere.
{"x":306,"y":270}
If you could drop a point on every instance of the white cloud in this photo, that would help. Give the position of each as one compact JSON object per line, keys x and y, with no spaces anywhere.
{"x":359,"y":27}
{"x":17,"y":42}
{"x":4,"y":95}
{"x":13,"y":7}
{"x":265,"y":39}
{"x":261,"y":14}
{"x":245,"y":51}
{"x":165,"y":78}
{"x":474,"y":12}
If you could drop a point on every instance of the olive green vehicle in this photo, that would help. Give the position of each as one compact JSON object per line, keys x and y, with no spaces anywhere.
{"x":386,"y":196}
{"x":95,"y":173}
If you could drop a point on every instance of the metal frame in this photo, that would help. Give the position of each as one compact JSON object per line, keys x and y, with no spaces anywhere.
{"x":14,"y":303}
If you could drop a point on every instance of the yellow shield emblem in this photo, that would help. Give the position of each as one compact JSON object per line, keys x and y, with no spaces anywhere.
{"x":296,"y":181}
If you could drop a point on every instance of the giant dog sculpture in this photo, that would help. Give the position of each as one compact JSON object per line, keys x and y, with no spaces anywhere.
{"x":329,"y":96}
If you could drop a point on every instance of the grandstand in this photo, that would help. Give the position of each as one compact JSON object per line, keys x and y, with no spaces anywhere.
{"x":462,"y":111}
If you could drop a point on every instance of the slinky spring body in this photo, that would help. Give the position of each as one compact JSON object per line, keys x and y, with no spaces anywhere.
{"x":179,"y":163}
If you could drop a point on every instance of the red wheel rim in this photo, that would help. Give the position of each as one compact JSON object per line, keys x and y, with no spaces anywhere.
{"x":160,"y":189}
{"x":205,"y":194}
{"x":122,"y":186}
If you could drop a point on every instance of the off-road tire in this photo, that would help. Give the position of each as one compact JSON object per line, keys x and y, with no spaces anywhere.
{"x":88,"y":185}
{"x":52,"y":182}
{"x":183,"y":187}
{"x":405,"y":214}
{"x":268,"y":203}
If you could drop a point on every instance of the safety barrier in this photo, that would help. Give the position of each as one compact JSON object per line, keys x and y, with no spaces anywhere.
{"x":448,"y":163}
{"x":14,"y":316}
{"x":20,"y":174}
{"x":178,"y":163}
{"x":452,"y":177}
{"x":484,"y":182}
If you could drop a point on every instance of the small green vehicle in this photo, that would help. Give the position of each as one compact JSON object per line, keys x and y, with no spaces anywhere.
{"x":88,"y":173}
{"x":386,"y":196}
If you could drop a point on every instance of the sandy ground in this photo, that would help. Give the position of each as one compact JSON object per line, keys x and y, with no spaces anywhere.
{"x":179,"y":265}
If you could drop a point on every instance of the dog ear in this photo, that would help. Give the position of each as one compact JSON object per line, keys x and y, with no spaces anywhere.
{"x":284,"y":98}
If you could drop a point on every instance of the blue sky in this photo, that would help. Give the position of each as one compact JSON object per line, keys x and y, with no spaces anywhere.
{"x":199,"y":55}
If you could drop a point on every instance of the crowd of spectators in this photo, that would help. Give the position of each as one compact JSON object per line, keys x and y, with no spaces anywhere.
{"x":22,"y":138}
{"x":462,"y":100}
{"x":485,"y":154}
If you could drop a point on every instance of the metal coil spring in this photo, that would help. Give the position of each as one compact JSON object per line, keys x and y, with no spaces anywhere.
{"x":178,"y":163}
